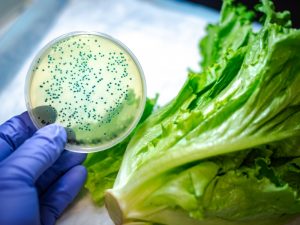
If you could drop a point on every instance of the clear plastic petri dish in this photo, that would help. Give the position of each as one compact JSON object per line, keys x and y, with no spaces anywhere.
{"x":89,"y":83}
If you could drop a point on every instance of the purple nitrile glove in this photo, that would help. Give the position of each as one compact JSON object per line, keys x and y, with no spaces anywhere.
{"x":38,"y":179}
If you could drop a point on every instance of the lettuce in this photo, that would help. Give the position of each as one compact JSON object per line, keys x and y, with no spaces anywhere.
{"x":103,"y":166}
{"x":225,"y":151}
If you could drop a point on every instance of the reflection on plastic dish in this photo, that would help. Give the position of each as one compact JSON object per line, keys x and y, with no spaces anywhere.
{"x":89,"y":83}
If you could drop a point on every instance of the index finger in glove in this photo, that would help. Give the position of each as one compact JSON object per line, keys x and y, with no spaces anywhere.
{"x":14,"y":132}
{"x":36,"y":154}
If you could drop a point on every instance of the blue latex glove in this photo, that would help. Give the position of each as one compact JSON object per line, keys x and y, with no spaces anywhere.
{"x":38,"y":179}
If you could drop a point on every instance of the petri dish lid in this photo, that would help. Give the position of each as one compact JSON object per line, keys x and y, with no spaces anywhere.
{"x":91,"y":84}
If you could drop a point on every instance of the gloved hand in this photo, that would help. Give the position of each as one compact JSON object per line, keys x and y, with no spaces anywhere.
{"x":38,"y":179}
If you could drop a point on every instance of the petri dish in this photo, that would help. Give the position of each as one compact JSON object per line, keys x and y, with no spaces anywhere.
{"x":91,"y":84}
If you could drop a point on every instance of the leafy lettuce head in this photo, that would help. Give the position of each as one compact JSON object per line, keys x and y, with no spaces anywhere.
{"x":226,"y":150}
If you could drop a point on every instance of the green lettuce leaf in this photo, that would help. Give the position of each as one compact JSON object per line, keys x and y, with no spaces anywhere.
{"x":232,"y":32}
{"x":103,"y":166}
{"x":223,"y":150}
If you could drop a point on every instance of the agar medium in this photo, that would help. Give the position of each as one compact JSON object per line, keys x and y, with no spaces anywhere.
{"x":89,"y":83}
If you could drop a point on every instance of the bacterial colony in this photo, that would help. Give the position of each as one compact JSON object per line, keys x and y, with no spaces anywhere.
{"x":90,"y":85}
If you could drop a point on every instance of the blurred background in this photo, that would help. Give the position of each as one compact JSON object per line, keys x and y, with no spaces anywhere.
{"x":163,"y":34}
{"x":9,"y":10}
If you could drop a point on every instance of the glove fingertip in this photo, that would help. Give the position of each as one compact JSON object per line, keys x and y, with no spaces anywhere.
{"x":76,"y":177}
{"x":56,"y":132}
{"x":81,"y":172}
{"x":73,"y":180}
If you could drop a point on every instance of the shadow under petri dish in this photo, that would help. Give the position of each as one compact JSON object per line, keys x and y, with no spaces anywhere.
{"x":89,"y":83}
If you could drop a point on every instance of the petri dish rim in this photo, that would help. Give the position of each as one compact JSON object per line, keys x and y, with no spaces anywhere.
{"x":113,"y":142}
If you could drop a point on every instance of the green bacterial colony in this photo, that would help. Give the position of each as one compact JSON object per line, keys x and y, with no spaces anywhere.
{"x":88,"y":84}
